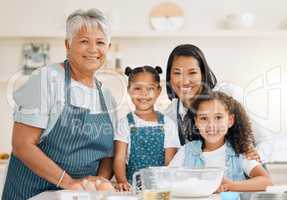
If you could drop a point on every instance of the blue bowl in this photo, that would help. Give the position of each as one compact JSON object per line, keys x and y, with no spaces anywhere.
{"x":229,"y":195}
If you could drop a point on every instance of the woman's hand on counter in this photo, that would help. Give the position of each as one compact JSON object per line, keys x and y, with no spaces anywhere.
{"x":73,"y":184}
{"x":98,"y":182}
{"x":90,"y":183}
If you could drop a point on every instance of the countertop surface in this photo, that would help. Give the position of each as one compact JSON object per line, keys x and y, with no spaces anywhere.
{"x":93,"y":196}
{"x":69,"y":195}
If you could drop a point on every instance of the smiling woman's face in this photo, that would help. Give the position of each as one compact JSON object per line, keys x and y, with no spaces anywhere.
{"x":87,"y":50}
{"x":185,"y":77}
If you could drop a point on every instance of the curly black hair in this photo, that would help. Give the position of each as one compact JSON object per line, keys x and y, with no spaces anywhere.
{"x":240,"y":135}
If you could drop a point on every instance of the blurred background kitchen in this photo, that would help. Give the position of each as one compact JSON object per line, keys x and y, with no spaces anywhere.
{"x":245,"y":43}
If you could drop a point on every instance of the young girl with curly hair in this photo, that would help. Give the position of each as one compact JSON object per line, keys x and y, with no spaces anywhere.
{"x":225,"y":135}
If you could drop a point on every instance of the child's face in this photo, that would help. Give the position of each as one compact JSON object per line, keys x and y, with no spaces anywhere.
{"x":185,"y":77}
{"x":213,"y":121}
{"x":144,"y":91}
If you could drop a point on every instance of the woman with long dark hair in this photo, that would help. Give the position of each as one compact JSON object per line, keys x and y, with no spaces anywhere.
{"x":189,"y":76}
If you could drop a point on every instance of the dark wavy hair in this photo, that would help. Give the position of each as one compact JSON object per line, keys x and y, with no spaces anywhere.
{"x":208,"y":78}
{"x":240,"y":135}
{"x":131,"y":73}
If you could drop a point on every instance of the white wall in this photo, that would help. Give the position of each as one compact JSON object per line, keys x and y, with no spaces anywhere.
{"x":245,"y":61}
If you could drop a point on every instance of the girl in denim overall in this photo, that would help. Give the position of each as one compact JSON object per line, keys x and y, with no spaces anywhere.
{"x":145,"y":137}
{"x":224,"y":136}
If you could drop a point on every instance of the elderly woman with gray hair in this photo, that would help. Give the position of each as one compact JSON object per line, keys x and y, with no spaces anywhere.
{"x":64,"y":118}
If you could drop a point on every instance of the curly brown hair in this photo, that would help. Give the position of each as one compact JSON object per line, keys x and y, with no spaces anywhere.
{"x":240,"y":135}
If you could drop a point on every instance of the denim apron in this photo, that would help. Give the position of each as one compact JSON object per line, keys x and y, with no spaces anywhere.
{"x":234,"y":163}
{"x":147,"y":145}
{"x":77,"y":143}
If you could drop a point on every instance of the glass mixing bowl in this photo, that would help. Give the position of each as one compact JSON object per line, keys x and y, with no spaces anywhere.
{"x":200,"y":182}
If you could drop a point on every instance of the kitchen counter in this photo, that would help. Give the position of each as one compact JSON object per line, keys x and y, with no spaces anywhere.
{"x":59,"y":195}
{"x":278,"y":173}
{"x":68,"y":195}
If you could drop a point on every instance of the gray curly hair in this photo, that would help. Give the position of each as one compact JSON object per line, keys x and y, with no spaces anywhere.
{"x":91,"y":18}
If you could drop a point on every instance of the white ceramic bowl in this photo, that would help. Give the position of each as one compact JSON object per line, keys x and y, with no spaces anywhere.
{"x":244,"y":20}
{"x":166,"y":23}
{"x":196,"y":182}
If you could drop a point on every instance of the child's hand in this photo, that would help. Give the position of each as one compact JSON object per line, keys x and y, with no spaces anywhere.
{"x":222,"y":188}
{"x":253,"y":154}
{"x":224,"y":185}
{"x":123,"y":187}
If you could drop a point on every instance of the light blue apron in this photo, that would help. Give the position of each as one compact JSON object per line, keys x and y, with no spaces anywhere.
{"x":77,"y":143}
{"x":147,"y":146}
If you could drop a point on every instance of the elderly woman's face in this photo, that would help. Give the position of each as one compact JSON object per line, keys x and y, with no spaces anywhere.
{"x":87,"y":50}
